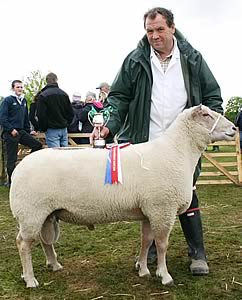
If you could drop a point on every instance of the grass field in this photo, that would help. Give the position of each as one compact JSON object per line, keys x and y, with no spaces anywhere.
{"x":100,"y":264}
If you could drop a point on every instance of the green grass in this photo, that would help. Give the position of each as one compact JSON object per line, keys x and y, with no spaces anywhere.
{"x":100,"y":264}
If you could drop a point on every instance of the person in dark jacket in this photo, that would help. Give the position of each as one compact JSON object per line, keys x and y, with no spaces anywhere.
{"x":15,"y":125}
{"x":238,"y":123}
{"x":77,"y":106}
{"x":160,"y":78}
{"x":54,"y":112}
{"x":76,"y":125}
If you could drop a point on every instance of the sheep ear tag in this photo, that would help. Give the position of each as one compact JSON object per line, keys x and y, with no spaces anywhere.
{"x":113,"y":168}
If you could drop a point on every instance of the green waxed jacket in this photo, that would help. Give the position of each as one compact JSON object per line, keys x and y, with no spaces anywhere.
{"x":130,"y":95}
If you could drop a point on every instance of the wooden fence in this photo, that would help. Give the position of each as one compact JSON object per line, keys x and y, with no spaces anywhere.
{"x":221,"y":167}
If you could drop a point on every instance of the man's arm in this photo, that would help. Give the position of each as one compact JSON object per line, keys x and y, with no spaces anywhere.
{"x":4,"y":117}
{"x":119,"y":97}
{"x":42,"y":113}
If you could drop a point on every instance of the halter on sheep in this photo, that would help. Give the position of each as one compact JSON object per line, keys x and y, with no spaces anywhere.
{"x":157,"y":186}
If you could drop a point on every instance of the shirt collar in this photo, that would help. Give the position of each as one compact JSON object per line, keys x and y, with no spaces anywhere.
{"x":18,"y":98}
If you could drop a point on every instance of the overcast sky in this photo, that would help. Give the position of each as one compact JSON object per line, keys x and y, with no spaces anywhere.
{"x":85,"y":42}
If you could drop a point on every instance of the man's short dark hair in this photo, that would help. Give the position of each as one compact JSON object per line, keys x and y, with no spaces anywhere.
{"x":51,"y":78}
{"x":167,"y":14}
{"x":14,"y":82}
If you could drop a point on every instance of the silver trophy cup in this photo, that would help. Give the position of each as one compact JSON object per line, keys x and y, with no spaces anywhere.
{"x":98,"y":122}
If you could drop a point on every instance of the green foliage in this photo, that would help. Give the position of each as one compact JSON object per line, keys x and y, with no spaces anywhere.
{"x":33,"y":84}
{"x":233,"y":106}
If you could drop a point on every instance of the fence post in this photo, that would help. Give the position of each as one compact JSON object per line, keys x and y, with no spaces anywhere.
{"x":238,"y":155}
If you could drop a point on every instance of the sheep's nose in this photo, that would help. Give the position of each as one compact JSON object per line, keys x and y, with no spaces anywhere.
{"x":234,"y":128}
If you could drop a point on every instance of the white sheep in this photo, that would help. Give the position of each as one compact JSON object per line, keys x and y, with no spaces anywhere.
{"x":69,"y":185}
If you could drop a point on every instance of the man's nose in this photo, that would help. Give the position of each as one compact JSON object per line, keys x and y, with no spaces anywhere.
{"x":155,"y":35}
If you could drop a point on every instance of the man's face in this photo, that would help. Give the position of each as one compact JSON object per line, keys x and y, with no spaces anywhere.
{"x":105,"y":89}
{"x":159,"y":35}
{"x":18,"y":88}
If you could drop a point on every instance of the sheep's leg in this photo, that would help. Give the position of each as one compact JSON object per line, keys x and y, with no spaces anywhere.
{"x":161,"y":241}
{"x":146,"y":241}
{"x":24,"y":248}
{"x":51,"y":257}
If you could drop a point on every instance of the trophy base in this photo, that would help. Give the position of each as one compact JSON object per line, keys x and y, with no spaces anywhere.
{"x":100,"y":144}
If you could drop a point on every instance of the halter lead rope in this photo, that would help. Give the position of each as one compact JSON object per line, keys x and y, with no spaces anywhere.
{"x":215,"y":124}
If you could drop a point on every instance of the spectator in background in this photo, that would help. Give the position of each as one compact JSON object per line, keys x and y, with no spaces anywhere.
{"x":238,"y":123}
{"x":16,"y":127}
{"x":90,"y":103}
{"x":76,"y":125}
{"x":54,"y":112}
{"x":104,"y":91}
{"x":90,"y":97}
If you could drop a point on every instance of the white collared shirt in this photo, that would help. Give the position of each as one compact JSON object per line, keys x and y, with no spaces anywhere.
{"x":168,"y":96}
{"x":18,"y":98}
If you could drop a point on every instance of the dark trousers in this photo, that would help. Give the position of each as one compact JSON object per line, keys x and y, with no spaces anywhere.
{"x":12,"y":142}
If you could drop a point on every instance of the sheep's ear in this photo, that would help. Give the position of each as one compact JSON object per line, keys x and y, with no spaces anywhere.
{"x":201,"y":111}
{"x":197,"y":110}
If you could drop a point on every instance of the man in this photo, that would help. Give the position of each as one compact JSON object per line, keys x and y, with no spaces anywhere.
{"x":104,"y":90}
{"x":54,"y":112}
{"x":160,"y":78}
{"x":238,"y":123}
{"x":15,"y":125}
{"x":90,"y":97}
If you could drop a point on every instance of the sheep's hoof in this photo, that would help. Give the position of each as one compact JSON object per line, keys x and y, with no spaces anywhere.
{"x":144,"y":273}
{"x":166,"y":280}
{"x":55,"y":267}
{"x":32,"y":283}
{"x":169,"y":283}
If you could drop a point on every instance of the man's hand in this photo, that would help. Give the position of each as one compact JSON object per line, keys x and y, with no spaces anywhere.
{"x":104,"y":132}
{"x":33,"y":132}
{"x":14,"y":132}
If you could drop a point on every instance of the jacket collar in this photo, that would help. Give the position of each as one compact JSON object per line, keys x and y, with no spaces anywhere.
{"x":52,"y":85}
{"x":49,"y":86}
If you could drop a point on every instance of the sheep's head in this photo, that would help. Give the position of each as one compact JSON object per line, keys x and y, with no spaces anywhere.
{"x":218,"y":126}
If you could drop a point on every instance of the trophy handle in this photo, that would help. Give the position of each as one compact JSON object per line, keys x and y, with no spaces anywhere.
{"x":108,"y":117}
{"x":89,"y":118}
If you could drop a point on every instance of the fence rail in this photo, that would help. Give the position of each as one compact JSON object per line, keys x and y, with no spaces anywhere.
{"x":221,"y":167}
